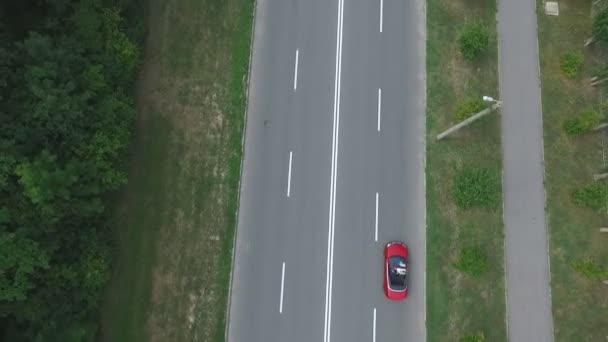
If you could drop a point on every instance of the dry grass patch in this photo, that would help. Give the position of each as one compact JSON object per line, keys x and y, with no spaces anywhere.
{"x":176,"y":227}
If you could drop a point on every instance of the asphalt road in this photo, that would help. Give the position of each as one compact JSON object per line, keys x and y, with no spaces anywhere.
{"x":527,"y":262}
{"x":318,"y":148}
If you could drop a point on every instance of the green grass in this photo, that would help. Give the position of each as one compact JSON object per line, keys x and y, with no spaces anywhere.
{"x":579,"y":304}
{"x":472,"y":260}
{"x":458,"y":304}
{"x":175,"y":221}
{"x":475,"y":187}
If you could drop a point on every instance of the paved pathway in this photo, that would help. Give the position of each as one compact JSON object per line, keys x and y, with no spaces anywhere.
{"x":528,"y":277}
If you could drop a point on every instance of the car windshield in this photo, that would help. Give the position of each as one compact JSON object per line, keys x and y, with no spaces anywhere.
{"x":397,"y":273}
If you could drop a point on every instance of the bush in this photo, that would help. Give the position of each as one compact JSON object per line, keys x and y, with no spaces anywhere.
{"x":476,"y":188}
{"x":594,"y":195}
{"x":590,"y":269}
{"x":478,"y":337}
{"x":472,"y":260}
{"x":599,"y":30}
{"x":601,"y":72}
{"x":603,"y":107}
{"x":582,"y":123}
{"x":474,"y":39}
{"x":468,"y":106}
{"x":570,"y":63}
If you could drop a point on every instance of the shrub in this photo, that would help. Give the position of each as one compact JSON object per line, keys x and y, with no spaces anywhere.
{"x":476,"y":188}
{"x":478,"y":337}
{"x":582,"y":123}
{"x":472,"y":260}
{"x":474,"y":39}
{"x":603,"y":107}
{"x":594,"y":195}
{"x":590,"y":269}
{"x":570,"y":63}
{"x":601,"y":72}
{"x":599,"y":29}
{"x":468,"y":106}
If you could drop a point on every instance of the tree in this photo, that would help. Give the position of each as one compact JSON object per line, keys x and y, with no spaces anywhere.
{"x":121,"y":49}
{"x":65,"y":117}
{"x":20,"y":259}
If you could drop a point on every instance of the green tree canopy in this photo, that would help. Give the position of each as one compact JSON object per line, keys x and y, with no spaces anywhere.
{"x":67,"y":68}
{"x":20,"y":258}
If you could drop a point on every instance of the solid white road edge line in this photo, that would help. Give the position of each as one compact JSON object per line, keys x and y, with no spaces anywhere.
{"x":374,"y":327}
{"x":282,"y":288}
{"x":334,"y":170}
{"x":381,"y":13}
{"x":376,"y":229}
{"x":295,"y":72}
{"x":289,"y":174}
{"x":379,"y":107}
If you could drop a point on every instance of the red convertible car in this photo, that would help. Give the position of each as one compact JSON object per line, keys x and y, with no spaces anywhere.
{"x":395,"y":270}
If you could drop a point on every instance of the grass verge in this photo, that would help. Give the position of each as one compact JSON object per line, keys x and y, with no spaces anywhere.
{"x":579,"y":304}
{"x":462,"y":304}
{"x":175,"y":222}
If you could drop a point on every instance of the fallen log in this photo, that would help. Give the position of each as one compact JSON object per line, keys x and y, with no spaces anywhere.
{"x":600,"y":176}
{"x":600,"y":126}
